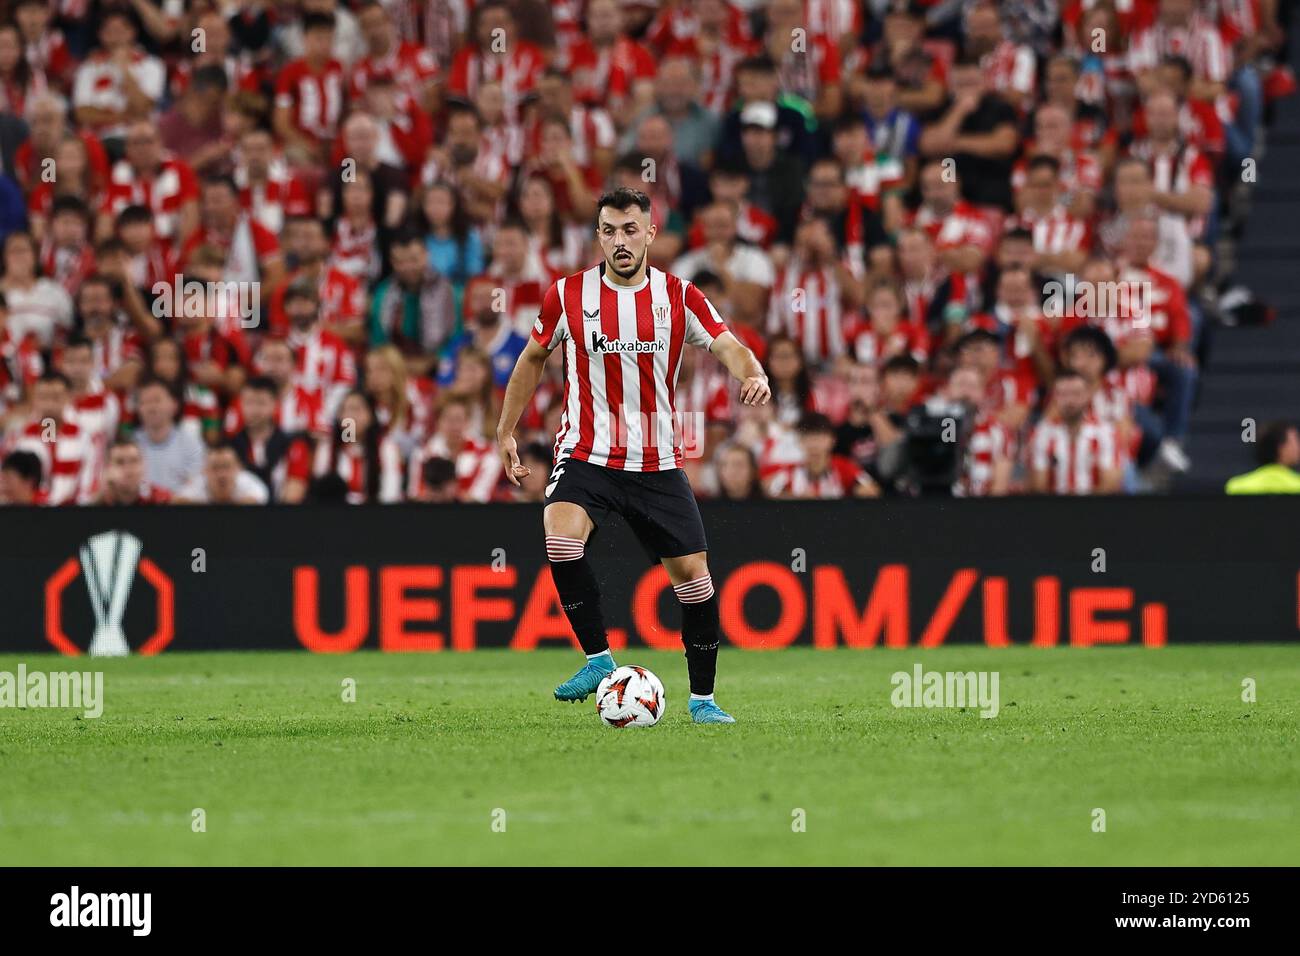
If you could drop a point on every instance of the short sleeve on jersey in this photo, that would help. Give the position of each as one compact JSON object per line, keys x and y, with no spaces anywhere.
{"x":550,"y":330}
{"x":703,"y":324}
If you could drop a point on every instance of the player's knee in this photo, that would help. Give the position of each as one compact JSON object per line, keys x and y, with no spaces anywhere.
{"x":566,"y":520}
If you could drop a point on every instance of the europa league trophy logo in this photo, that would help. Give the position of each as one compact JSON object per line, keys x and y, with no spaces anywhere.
{"x":109,"y":561}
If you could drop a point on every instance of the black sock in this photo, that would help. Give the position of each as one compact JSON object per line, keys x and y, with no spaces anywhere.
{"x":579,"y":593}
{"x":700,"y":635}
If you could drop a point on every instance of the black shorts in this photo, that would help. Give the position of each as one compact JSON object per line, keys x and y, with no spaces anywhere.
{"x":659,"y":506}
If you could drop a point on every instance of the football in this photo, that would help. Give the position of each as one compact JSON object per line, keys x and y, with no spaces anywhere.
{"x":630,"y":696}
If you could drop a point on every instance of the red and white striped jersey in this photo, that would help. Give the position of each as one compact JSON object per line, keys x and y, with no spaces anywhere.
{"x":872,"y":347}
{"x":299,"y":410}
{"x":478,"y":469}
{"x":325,"y":364}
{"x":63,"y":458}
{"x":833,"y":19}
{"x":1011,"y":68}
{"x":716,"y":61}
{"x":96,"y":414}
{"x":1177,"y":172}
{"x":314,"y":100}
{"x":599,"y":74}
{"x":119,"y":346}
{"x":989,"y":443}
{"x":68,"y":266}
{"x":963,"y":226}
{"x":622,"y":352}
{"x":349,"y":462}
{"x":1074,"y":461}
{"x":163,"y":193}
{"x":808,"y":305}
{"x":1199,"y":43}
{"x":523,"y":295}
{"x":409,"y":64}
{"x":1055,"y":232}
{"x":517,"y":71}
{"x":355,"y":249}
{"x":281,"y":195}
{"x":1138,"y":382}
{"x":1110,"y":402}
{"x":21,"y":365}
{"x":839,"y":479}
{"x":1080,"y":170}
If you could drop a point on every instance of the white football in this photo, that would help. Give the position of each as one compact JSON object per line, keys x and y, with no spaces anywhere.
{"x":630,"y":696}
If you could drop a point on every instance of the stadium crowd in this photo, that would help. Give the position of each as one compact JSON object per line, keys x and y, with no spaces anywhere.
{"x":909,"y":211}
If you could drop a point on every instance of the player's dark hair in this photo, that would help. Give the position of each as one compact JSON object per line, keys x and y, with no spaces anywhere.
{"x":1268,"y":445}
{"x":25,"y":465}
{"x":623,"y":198}
{"x":78,"y":341}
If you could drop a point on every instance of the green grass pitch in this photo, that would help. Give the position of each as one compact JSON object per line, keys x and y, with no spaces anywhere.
{"x":416,"y":769}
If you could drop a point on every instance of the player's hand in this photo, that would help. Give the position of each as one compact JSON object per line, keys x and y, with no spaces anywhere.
{"x":755,"y":391}
{"x":510,"y":460}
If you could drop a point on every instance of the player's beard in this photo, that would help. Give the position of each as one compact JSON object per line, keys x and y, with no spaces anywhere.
{"x":628,"y":271}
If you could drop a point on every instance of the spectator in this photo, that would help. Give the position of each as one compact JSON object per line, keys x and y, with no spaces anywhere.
{"x":412,"y":308}
{"x":1278,"y":452}
{"x":119,"y":82}
{"x":737,"y":473}
{"x":64,"y":451}
{"x":124,"y":481}
{"x":280,"y":460}
{"x":173,"y":456}
{"x":36,"y":305}
{"x":359,"y":453}
{"x":223,"y":481}
{"x":20,"y":479}
{"x":1071,"y":452}
{"x":821,"y":474}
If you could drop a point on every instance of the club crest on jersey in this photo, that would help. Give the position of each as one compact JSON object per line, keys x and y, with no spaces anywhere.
{"x":662,"y":313}
{"x":601,"y":344}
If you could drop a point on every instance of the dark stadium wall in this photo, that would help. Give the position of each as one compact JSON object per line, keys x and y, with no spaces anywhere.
{"x":1026,"y":571}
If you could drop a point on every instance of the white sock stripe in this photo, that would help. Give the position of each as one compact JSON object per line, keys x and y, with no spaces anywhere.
{"x":695,"y":592}
{"x":560,"y":548}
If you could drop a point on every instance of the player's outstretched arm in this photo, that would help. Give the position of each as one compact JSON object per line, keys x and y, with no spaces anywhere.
{"x":744,"y":367}
{"x":520,"y":388}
